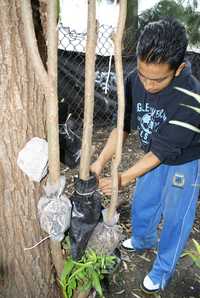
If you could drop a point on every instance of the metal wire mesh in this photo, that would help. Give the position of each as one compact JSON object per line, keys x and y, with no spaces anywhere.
{"x":71,"y":76}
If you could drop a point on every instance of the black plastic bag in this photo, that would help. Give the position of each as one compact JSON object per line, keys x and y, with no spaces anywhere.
{"x":86,"y":213}
{"x":70,"y":143}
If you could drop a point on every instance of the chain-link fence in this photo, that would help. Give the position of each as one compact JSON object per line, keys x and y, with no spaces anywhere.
{"x":71,"y":76}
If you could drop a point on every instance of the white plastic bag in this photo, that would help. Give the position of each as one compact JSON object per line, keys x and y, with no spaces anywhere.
{"x":33,"y":159}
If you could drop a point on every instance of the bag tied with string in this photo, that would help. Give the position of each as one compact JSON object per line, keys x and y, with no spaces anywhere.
{"x":106,"y":238}
{"x":70,"y":143}
{"x":54,"y":211}
{"x":86,"y":212}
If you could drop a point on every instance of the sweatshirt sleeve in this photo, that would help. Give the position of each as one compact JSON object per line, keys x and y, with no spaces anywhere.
{"x":170,"y":140}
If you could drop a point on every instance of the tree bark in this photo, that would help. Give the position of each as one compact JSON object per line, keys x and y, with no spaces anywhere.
{"x":23,"y":274}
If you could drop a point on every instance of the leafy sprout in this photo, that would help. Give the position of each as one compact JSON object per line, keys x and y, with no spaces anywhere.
{"x":86,"y":273}
{"x":194,"y":254}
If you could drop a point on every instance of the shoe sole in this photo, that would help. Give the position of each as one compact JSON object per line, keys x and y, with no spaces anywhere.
{"x":149,"y":292}
{"x":128,"y":249}
{"x":139,"y":251}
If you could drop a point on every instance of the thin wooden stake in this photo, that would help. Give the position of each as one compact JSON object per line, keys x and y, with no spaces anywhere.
{"x":121,"y":107}
{"x":89,"y":102}
{"x":52,"y":97}
{"x":89,"y":91}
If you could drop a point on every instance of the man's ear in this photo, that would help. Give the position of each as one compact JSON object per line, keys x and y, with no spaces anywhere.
{"x":180,"y":68}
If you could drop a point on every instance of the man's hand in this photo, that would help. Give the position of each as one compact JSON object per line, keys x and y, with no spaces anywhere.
{"x":96,"y":168}
{"x":105,"y":184}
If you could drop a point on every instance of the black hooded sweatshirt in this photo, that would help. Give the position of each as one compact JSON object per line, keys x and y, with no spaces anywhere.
{"x":150,"y":115}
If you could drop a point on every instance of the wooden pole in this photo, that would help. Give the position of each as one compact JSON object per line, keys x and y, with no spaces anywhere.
{"x":89,"y":91}
{"x":52,"y":98}
{"x":89,"y":102}
{"x":121,"y":107}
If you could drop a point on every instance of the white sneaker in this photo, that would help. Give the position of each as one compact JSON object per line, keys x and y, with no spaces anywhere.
{"x":148,"y":286}
{"x":127,"y":244}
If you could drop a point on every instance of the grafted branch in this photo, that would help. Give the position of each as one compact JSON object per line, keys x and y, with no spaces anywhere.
{"x":31,"y":44}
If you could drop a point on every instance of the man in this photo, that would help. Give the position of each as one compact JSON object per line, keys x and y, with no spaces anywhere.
{"x":169,"y":173}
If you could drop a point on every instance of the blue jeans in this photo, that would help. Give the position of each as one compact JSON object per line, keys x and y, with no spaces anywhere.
{"x":170,"y":192}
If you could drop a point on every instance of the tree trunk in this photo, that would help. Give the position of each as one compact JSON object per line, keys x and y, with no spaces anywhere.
{"x":23,"y":274}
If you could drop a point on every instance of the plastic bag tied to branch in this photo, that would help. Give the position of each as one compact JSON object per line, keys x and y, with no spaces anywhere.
{"x":86,"y":212}
{"x":54,"y":211}
{"x":70,"y":143}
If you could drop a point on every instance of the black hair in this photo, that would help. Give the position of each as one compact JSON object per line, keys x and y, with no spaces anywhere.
{"x":164,"y":41}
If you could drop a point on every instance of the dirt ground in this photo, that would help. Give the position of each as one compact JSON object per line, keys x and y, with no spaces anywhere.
{"x":125,"y":282}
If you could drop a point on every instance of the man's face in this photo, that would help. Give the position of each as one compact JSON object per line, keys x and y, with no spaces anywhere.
{"x":155,"y":77}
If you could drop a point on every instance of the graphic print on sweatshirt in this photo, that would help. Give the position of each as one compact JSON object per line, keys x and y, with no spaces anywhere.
{"x":149,"y":118}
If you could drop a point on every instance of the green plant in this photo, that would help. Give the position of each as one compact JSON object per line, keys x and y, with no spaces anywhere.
{"x":86,"y":273}
{"x":194,"y":253}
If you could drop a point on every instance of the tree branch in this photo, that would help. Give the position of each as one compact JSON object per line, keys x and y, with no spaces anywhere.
{"x":31,"y":44}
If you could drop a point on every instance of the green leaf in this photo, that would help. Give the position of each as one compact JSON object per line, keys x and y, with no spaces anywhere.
{"x":96,"y":283}
{"x":68,"y":266}
{"x":69,"y":292}
{"x":75,"y":273}
{"x":196,"y":260}
{"x":62,"y":285}
{"x":197,"y":245}
{"x":190,"y":93}
{"x":86,"y":286}
{"x":103,"y":262}
{"x":86,"y":273}
{"x":63,"y":289}
{"x":194,"y":254}
{"x":73,"y":283}
{"x":186,"y":125}
{"x":65,"y":294}
{"x":80,"y":275}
